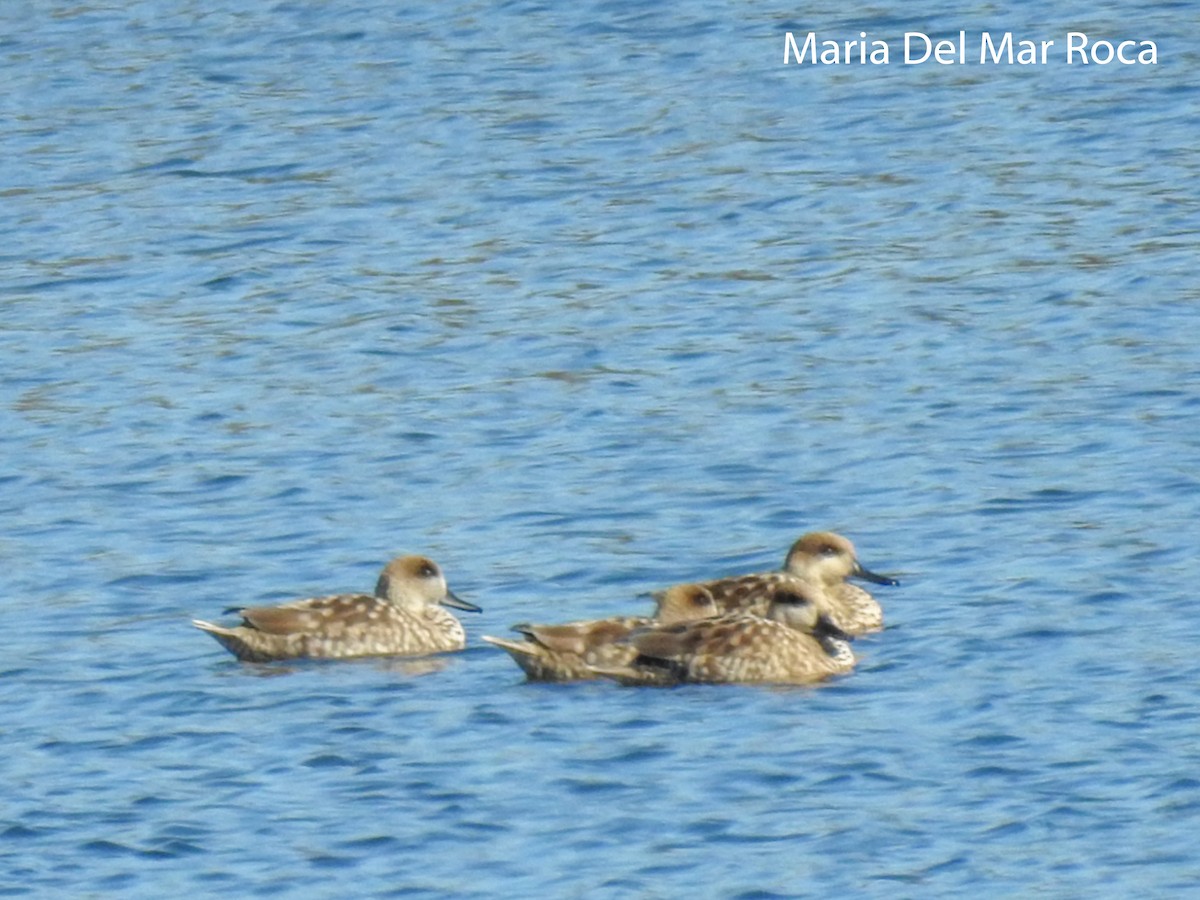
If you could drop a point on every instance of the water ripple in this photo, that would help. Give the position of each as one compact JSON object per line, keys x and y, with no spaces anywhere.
{"x":583,"y":302}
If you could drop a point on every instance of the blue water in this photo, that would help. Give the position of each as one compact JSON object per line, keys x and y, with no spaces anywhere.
{"x":582,"y":300}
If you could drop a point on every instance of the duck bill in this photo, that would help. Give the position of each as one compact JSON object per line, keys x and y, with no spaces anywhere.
{"x":826,"y":629}
{"x":451,"y":599}
{"x":868,"y":575}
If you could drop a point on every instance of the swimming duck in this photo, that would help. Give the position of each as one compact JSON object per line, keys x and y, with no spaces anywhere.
{"x":795,"y":643}
{"x":821,"y":557}
{"x":404,"y":617}
{"x":567,"y":652}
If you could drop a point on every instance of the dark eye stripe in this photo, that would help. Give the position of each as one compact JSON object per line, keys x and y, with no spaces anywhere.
{"x":789,"y":597}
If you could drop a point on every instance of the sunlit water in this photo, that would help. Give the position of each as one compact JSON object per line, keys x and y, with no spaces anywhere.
{"x":583,"y":301}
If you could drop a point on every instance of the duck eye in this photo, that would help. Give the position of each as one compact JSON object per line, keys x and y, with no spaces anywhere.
{"x":427,"y":571}
{"x":829,"y":550}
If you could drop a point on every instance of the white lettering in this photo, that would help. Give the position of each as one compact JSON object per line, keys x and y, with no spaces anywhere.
{"x":908,"y":36}
{"x":1103,"y":52}
{"x":810,"y":47}
{"x":947,"y":53}
{"x":832,"y":52}
{"x":994,"y":49}
{"x":1028,"y":54}
{"x":986,"y":47}
{"x":1073,"y":47}
{"x":1105,"y":48}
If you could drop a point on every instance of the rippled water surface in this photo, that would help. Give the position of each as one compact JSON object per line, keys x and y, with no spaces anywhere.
{"x":582,"y":300}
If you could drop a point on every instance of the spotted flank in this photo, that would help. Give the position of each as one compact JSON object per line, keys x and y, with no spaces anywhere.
{"x":404,"y":617}
{"x":794,"y":643}
{"x":569,"y":652}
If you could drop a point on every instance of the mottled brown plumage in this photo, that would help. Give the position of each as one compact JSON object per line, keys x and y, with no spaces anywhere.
{"x":822,"y":558}
{"x":404,"y":617}
{"x":567,"y":652}
{"x":794,"y":644}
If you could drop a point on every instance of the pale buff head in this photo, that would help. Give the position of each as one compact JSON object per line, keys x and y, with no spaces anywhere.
{"x":828,"y":558}
{"x":685,"y":603}
{"x":798,"y":605}
{"x":412,"y":582}
{"x":804,"y":607}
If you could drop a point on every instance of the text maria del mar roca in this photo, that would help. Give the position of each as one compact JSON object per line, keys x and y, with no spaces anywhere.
{"x":989,"y":49}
